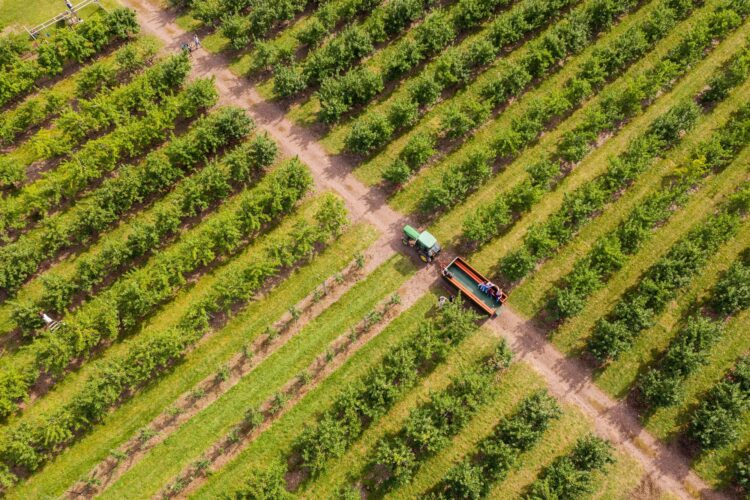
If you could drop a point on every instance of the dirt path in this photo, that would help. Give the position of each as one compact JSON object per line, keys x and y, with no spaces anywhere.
{"x":568,"y":379}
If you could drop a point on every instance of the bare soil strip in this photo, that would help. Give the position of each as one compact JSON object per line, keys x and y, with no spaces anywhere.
{"x":569,"y":379}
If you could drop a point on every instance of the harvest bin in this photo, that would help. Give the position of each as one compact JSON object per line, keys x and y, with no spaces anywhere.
{"x":464,"y":278}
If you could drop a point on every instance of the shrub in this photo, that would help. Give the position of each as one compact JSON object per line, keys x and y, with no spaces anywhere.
{"x":570,"y":476}
{"x":288,"y":81}
{"x":425,"y":90}
{"x":715,"y":422}
{"x":369,"y":134}
{"x":397,"y":173}
{"x":266,"y":484}
{"x":418,"y":149}
{"x":497,"y":453}
{"x":732,"y":292}
{"x":403,"y":113}
{"x":236,"y":27}
{"x":313,"y":33}
{"x":742,"y":473}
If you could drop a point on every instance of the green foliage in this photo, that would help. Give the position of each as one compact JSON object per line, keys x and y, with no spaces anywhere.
{"x":570,"y":476}
{"x":267,"y":484}
{"x":732,"y":293}
{"x":369,"y":135}
{"x":687,"y":352}
{"x":717,"y":419}
{"x":591,"y":272}
{"x":497,"y":453}
{"x":637,"y":309}
{"x":370,"y":397}
{"x":68,"y":45}
{"x":156,"y":174}
{"x":145,"y":359}
{"x":742,"y":473}
{"x":430,"y":426}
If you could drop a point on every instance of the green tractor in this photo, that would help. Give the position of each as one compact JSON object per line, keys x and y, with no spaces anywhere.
{"x":426,"y":245}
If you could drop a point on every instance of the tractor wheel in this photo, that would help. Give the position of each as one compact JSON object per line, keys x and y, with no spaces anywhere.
{"x":405,"y":242}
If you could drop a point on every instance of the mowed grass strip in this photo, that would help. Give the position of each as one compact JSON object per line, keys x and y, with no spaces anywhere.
{"x":616,"y":481}
{"x":306,"y":112}
{"x":278,"y":440}
{"x":167,"y":459}
{"x":407,"y":198}
{"x":143,"y":213}
{"x":449,"y":226}
{"x":530,"y":296}
{"x":716,"y":467}
{"x":215,"y":350}
{"x":620,"y":375}
{"x":513,"y":385}
{"x":354,"y":463}
{"x":571,"y":336}
{"x":27,"y":356}
{"x":667,"y":422}
{"x":370,"y":169}
{"x":170,"y":313}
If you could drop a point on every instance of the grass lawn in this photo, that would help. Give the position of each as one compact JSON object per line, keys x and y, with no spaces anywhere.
{"x":124,"y":422}
{"x":166,"y":460}
{"x":20,"y":13}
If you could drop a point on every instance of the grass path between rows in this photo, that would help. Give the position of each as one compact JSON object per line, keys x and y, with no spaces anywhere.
{"x":406,"y":200}
{"x":65,"y":264}
{"x":306,"y":112}
{"x":572,"y":335}
{"x":124,"y":422}
{"x":278,"y":440}
{"x":152,"y":473}
{"x":449,"y":226}
{"x":531,"y":295}
{"x":519,"y":381}
{"x":167,"y":314}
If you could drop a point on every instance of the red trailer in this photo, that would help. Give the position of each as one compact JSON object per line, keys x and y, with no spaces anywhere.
{"x":464,"y":278}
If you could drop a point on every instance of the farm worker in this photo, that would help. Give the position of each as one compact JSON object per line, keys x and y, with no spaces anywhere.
{"x":196,"y":41}
{"x":485,"y":287}
{"x":69,"y":5}
{"x":441,"y":301}
{"x":47,"y":320}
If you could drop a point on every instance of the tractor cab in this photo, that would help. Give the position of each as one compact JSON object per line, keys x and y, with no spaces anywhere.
{"x":426,"y":245}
